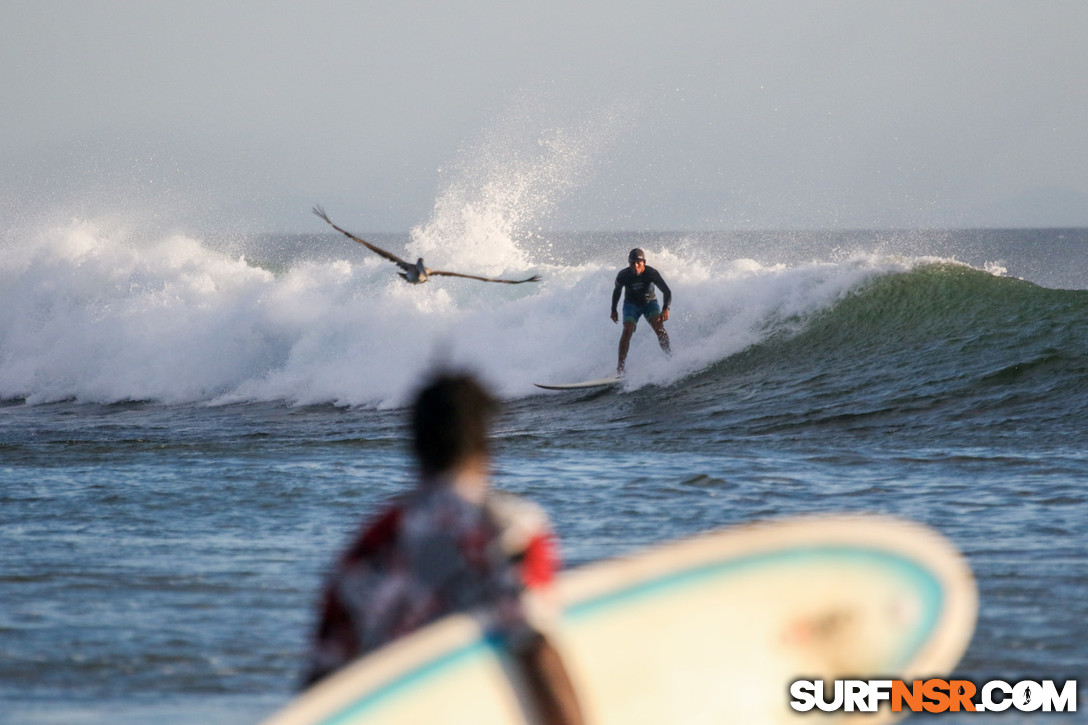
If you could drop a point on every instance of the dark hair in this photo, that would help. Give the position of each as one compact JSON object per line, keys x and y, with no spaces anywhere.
{"x":636,"y":255}
{"x":450,"y":421}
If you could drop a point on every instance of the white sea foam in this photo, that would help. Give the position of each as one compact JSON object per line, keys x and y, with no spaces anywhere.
{"x":98,"y":311}
{"x":89,"y":313}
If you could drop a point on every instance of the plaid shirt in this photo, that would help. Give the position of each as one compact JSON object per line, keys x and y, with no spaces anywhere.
{"x":430,"y":554}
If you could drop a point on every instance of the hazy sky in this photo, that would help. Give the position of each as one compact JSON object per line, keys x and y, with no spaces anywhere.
{"x":583,"y":115}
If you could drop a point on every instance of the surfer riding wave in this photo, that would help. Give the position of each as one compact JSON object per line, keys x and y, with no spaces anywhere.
{"x":637,"y":282}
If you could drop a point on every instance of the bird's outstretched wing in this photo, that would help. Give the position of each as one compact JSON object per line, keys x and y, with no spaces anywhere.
{"x":320,"y":212}
{"x":411,"y":268}
{"x":440,"y":273}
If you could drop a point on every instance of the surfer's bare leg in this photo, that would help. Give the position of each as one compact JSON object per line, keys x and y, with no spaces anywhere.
{"x":625,"y":344}
{"x":658,"y":326}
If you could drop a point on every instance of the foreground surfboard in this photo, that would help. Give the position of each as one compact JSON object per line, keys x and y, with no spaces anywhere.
{"x":706,"y":630}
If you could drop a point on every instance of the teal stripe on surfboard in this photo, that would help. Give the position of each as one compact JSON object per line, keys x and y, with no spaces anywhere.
{"x":929,"y":587}
{"x":926,"y":584}
{"x":479,"y":648}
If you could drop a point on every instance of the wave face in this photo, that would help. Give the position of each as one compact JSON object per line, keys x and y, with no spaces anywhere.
{"x":90,"y":313}
{"x":922,"y":353}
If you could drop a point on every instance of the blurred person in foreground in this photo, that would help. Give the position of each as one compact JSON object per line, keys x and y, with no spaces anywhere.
{"x":451,"y":544}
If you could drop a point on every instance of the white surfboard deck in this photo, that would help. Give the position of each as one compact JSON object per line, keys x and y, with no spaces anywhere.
{"x":710,"y":630}
{"x":597,"y":383}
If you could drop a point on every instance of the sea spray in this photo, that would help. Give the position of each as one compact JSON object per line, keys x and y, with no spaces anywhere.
{"x":97,"y":317}
{"x":504,"y":189}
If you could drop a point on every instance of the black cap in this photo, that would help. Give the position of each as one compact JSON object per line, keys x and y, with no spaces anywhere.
{"x":636,"y":255}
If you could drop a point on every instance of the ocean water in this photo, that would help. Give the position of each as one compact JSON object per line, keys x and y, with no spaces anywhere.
{"x":191,"y":427}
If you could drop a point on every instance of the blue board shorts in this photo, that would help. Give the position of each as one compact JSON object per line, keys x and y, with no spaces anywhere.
{"x":631,"y":311}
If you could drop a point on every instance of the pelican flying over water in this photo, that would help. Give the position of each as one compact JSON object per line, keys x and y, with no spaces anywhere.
{"x":416,"y":273}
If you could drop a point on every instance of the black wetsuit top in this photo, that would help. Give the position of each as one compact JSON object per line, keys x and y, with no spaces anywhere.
{"x":639,"y":288}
